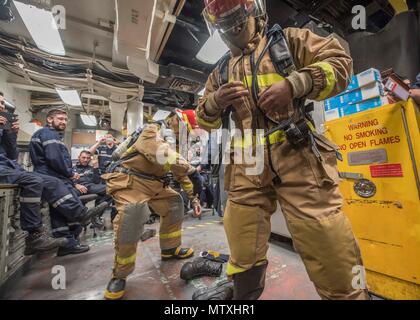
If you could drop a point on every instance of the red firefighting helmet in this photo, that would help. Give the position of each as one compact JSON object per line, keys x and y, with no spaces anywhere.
{"x":224,"y":15}
{"x":188,"y":118}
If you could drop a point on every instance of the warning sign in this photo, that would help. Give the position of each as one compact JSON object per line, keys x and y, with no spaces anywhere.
{"x":386,"y":170}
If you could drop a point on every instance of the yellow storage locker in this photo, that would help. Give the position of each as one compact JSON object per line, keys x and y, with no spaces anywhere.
{"x":381,"y":189}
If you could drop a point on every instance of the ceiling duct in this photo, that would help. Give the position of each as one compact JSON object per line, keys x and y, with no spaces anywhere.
{"x":142,"y":29}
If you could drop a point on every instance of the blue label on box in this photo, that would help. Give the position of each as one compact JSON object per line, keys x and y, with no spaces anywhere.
{"x":355,"y":96}
{"x":354,"y":108}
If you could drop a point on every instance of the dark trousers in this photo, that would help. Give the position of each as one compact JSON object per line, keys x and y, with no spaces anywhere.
{"x":207,"y":195}
{"x":100,"y":190}
{"x":66,"y":208}
{"x":31,"y":187}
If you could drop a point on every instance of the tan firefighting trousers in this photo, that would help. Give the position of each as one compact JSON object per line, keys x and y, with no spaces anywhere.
{"x":132,"y":195}
{"x":311,"y":202}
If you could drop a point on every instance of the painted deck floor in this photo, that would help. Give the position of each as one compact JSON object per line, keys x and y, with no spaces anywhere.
{"x":87,"y":274}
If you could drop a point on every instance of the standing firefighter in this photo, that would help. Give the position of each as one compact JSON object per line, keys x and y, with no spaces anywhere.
{"x":263,"y":84}
{"x":139,"y":180}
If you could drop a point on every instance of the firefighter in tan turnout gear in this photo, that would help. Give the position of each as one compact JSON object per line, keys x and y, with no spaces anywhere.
{"x":139,"y":180}
{"x":264,"y":82}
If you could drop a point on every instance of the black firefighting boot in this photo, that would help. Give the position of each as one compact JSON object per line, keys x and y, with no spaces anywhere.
{"x":221,"y":291}
{"x":201,"y":267}
{"x":115,"y":289}
{"x":40,"y":241}
{"x":249,"y":285}
{"x":177,"y":253}
{"x":93,"y":213}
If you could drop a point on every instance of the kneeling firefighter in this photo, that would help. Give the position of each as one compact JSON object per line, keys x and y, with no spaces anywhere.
{"x":262,"y":84}
{"x":137,"y":179}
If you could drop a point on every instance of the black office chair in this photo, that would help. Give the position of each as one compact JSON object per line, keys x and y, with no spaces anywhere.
{"x":86,"y":198}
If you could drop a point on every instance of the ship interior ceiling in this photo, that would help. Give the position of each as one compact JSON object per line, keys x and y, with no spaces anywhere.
{"x":111,"y":76}
{"x":89,"y":37}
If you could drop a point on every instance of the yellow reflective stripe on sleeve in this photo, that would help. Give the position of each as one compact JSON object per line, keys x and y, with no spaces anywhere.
{"x":171,"y":235}
{"x":187,"y":186}
{"x":330,"y":78}
{"x":206,"y":124}
{"x":264,"y":80}
{"x":124,"y":261}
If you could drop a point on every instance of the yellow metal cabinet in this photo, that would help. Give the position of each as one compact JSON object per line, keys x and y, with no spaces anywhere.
{"x":381,"y":189}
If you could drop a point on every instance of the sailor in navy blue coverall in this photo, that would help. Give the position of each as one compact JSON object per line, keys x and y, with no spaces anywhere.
{"x":52,"y":161}
{"x":31,"y":189}
{"x":90,"y":180}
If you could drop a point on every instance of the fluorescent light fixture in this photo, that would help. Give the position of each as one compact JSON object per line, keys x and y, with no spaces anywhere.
{"x":70,"y":97}
{"x":89,"y":120}
{"x":42,"y":27}
{"x":213,"y":49}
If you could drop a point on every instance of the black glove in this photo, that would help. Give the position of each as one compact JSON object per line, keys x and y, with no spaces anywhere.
{"x":197,"y":182}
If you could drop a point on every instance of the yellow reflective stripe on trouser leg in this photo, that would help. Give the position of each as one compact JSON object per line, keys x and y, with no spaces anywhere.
{"x":171,"y":235}
{"x":232,"y":269}
{"x":124,"y":261}
{"x":330,"y":79}
{"x":264,"y":80}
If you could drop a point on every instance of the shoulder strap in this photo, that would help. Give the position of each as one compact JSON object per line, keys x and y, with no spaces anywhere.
{"x":279,"y":51}
{"x":283,"y":60}
{"x":223,"y":66}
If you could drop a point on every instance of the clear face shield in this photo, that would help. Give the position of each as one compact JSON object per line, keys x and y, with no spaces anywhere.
{"x":226,"y":15}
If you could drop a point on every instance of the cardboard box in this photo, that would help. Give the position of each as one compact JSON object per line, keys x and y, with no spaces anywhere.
{"x":362,"y":79}
{"x":367,"y":92}
{"x":350,"y":109}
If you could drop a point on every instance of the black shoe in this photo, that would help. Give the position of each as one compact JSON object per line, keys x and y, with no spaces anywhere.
{"x":92,"y":213}
{"x":115,"y":289}
{"x":78,"y":248}
{"x":221,"y":291}
{"x":39,"y":241}
{"x":177,"y":253}
{"x":201,"y":267}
